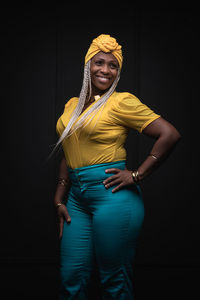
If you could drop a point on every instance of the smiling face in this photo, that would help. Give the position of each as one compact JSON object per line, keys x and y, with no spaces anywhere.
{"x":104,"y":68}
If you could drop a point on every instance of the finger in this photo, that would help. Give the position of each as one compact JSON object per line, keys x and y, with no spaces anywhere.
{"x":118,"y":188}
{"x":115,"y":170}
{"x":114,"y":182}
{"x":61,"y":227}
{"x":67,"y":217}
{"x":107,"y":180}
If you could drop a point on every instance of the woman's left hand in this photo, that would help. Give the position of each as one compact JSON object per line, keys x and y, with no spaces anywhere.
{"x":123,"y":177}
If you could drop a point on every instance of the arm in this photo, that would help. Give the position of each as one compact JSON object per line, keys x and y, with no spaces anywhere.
{"x":60,"y":189}
{"x":166,"y":136}
{"x":59,"y":195}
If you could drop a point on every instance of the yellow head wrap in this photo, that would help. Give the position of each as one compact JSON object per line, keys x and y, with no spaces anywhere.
{"x":107,"y":44}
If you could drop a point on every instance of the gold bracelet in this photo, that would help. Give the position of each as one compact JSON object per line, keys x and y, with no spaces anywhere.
{"x":62,"y":181}
{"x":135,"y":175}
{"x":152,"y":155}
{"x":58,"y":205}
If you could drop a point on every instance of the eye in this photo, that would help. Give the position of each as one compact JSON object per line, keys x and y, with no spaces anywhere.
{"x":113,"y":66}
{"x":98,"y":62}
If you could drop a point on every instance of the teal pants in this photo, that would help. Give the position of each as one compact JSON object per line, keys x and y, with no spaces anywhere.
{"x":104,"y":225}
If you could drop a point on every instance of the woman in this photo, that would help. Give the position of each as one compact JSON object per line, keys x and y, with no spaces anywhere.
{"x":104,"y":211}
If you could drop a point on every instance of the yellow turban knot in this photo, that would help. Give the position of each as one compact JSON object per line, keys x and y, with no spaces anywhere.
{"x":105,"y":43}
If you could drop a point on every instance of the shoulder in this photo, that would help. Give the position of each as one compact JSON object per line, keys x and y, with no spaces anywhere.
{"x":126,"y":98}
{"x":71,"y":101}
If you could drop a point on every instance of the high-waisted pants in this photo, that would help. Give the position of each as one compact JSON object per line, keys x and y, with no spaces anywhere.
{"x":105,"y":224}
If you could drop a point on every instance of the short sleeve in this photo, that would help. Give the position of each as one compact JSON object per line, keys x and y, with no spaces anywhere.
{"x":129,"y":111}
{"x":58,"y":128}
{"x":59,"y":124}
{"x":69,"y":102}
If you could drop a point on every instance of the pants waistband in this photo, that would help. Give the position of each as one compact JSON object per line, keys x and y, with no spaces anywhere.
{"x":94,"y":173}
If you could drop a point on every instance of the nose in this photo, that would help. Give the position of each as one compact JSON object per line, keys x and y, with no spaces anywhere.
{"x":104,"y":69}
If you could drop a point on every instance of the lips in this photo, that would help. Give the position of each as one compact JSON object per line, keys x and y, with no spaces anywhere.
{"x":103,"y":79}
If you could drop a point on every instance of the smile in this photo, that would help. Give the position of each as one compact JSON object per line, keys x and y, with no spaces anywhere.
{"x":103,"y":78}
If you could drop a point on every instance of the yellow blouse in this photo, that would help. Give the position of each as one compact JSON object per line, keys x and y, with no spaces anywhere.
{"x":102,"y":140}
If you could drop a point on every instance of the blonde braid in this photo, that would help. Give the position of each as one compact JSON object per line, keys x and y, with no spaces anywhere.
{"x":96,"y":107}
{"x":84,"y":97}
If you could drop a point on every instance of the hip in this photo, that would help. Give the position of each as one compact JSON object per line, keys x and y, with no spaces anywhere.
{"x":87,"y":187}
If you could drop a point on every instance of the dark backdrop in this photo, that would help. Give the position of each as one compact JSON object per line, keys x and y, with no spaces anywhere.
{"x":42,"y":58}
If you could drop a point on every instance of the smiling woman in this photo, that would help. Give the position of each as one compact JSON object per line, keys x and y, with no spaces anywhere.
{"x":94,"y":220}
{"x":104,"y":70}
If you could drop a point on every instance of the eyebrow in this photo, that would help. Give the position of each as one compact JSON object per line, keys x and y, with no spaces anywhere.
{"x":110,"y":61}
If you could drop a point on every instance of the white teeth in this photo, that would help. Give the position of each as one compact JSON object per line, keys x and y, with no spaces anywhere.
{"x":103,"y":79}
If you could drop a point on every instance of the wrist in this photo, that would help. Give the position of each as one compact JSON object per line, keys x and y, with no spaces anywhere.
{"x":58,"y":204}
{"x":58,"y":201}
{"x":140,"y":175}
{"x":136,"y":176}
{"x":63,"y":182}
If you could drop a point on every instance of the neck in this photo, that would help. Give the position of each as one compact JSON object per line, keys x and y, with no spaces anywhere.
{"x":96,"y":91}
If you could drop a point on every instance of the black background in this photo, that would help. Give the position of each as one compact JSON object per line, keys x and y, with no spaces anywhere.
{"x":42,"y":57}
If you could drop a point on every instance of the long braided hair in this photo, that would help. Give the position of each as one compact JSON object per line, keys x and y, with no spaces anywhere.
{"x":84,"y":98}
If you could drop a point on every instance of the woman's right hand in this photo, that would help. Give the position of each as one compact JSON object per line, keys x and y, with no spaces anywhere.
{"x":62,"y":215}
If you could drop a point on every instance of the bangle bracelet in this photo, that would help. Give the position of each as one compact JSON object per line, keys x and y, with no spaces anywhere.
{"x":135,"y":175}
{"x":152,"y":155}
{"x":62,"y":181}
{"x":58,"y":205}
